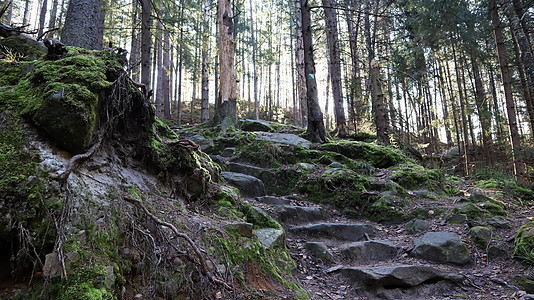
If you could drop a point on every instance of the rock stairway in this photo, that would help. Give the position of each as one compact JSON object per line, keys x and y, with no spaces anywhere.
{"x":343,"y":259}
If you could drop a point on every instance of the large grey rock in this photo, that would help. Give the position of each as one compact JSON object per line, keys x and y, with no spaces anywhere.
{"x":204,"y":143}
{"x":247,"y":185}
{"x":52,"y":266}
{"x":298,"y":214}
{"x":341,"y":231}
{"x":402,"y":276}
{"x":245,"y":169}
{"x":243,"y":228}
{"x":320,"y":251}
{"x":272,"y":200}
{"x":255,"y":125}
{"x":369,"y":250}
{"x":442,"y":247}
{"x":283,"y":138}
{"x":416,"y":226}
{"x":270,"y":237}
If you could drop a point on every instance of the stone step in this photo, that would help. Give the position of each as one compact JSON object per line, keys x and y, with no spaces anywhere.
{"x":340,"y":231}
{"x":442,"y":247}
{"x":273,"y":200}
{"x":248,"y":185}
{"x":398,"y":276}
{"x":369,"y":251}
{"x":298,"y":214}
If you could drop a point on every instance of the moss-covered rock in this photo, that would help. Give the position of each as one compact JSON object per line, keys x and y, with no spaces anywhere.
{"x":524,"y":243}
{"x":379,"y":156}
{"x":24,"y":47}
{"x":481,"y":236}
{"x":412,"y":176}
{"x":338,"y":186}
{"x":387,"y":209}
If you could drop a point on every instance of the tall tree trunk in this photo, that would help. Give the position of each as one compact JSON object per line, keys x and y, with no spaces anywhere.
{"x":165,"y":89}
{"x":483,"y":114}
{"x":159,"y":59}
{"x":444,"y":105}
{"x":316,"y":131}
{"x":134,"y":54}
{"x":293,"y":91}
{"x":335,"y":65}
{"x":355,"y":99}
{"x":84,"y":24}
{"x":510,"y":108}
{"x":204,"y":112}
{"x":301,"y":72}
{"x":53,"y":17}
{"x":25,"y":18}
{"x":465,"y":129}
{"x":42,"y":17}
{"x":226,"y":114}
{"x":525,"y":87}
{"x":146,"y":42}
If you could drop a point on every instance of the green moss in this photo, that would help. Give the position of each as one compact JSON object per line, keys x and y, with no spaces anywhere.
{"x":379,"y":156}
{"x":257,"y":217}
{"x":481,"y":236}
{"x":26,"y":48}
{"x":337,"y":186}
{"x":413,"y":176}
{"x":275,"y":262}
{"x":524,"y":243}
{"x":85,"y":283}
{"x":386,"y":210}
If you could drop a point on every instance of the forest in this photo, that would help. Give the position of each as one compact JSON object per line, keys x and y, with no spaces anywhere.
{"x":448,"y":73}
{"x":266,"y":149}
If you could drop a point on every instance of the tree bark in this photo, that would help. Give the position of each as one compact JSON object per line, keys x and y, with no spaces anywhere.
{"x":146,"y":42}
{"x":165,"y":89}
{"x":42,"y":17}
{"x":227,"y":113}
{"x":134,"y":55}
{"x":84,"y":24}
{"x":332,"y":38}
{"x":483,"y":113}
{"x":53,"y":16}
{"x":159,"y":64}
{"x":204,"y":112}
{"x":301,"y":72}
{"x":519,"y":167}
{"x":315,"y":129}
{"x":255,"y":78}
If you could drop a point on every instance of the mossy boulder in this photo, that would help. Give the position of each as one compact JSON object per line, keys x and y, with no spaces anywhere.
{"x":255,"y":125}
{"x":494,"y":207}
{"x":524,"y":243}
{"x":412,"y":176}
{"x":481,"y":236}
{"x":387,"y":209}
{"x":379,"y":156}
{"x":338,"y":186}
{"x":26,"y":48}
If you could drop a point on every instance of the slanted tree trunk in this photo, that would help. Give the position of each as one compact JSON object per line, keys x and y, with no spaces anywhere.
{"x":227,"y":112}
{"x":146,"y":42}
{"x":335,"y":66}
{"x":379,"y":104}
{"x":204,"y":104}
{"x":316,"y":131}
{"x":519,"y":167}
{"x":84,"y":24}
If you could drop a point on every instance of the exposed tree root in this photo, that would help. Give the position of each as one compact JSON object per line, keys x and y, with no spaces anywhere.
{"x":198,"y":253}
